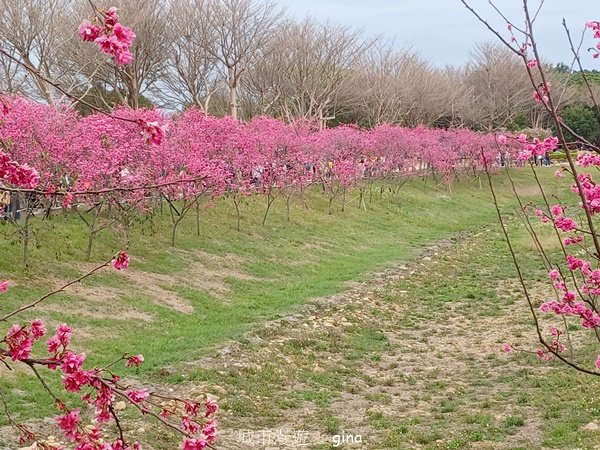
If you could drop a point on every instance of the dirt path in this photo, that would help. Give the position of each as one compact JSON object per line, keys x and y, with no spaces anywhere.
{"x":410,"y":359}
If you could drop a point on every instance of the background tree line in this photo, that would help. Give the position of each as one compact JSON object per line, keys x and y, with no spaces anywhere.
{"x":246,"y":58}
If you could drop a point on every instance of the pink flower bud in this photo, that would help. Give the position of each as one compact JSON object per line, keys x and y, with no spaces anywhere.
{"x":121,"y":262}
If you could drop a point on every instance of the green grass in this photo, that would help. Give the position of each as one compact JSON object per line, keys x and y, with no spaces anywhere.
{"x":382,"y":368}
{"x":282,"y":266}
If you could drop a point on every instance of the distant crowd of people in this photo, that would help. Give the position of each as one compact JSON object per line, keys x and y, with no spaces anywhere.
{"x":504,"y":159}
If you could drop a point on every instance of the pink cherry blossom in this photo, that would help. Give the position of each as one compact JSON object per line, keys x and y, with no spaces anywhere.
{"x":192,"y":408}
{"x":20,"y":349}
{"x":37,"y":329}
{"x":113,"y":38}
{"x":554,"y":274}
{"x":135,"y":360}
{"x":572,"y":240}
{"x":557,"y":210}
{"x":109,"y":44}
{"x":121,"y":262}
{"x":137,"y":396}
{"x":189,"y":425}
{"x":124,"y":34}
{"x":210,"y":431}
{"x":123,"y":56}
{"x":72,"y":362}
{"x":69,"y":424}
{"x":89,"y":32}
{"x":53,"y":344}
{"x":544,"y":356}
{"x":64,"y":331}
{"x":211,"y":408}
{"x":595,"y":26}
{"x":153,"y":132}
{"x":565,"y":224}
{"x":75,"y":381}
{"x":193,"y":444}
{"x":111,"y":17}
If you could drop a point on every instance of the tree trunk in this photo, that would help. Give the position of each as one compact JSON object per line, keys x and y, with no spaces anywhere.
{"x":26,"y":241}
{"x":174,"y":232}
{"x":198,"y":218}
{"x":287,"y":205}
{"x":270,"y":201}
{"x":92,"y":232}
{"x":237,"y":211}
{"x":232,"y":93}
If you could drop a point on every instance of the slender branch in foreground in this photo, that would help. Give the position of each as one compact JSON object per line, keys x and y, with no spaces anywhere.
{"x":56,"y":291}
{"x":541,"y":339}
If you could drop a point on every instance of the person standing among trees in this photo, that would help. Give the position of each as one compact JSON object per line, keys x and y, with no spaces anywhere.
{"x":4,"y":204}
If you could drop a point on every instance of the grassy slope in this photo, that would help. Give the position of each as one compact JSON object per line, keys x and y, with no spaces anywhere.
{"x":283,"y":264}
{"x":417,"y":363}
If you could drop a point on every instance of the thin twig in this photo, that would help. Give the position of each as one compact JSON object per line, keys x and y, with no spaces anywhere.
{"x":56,"y":291}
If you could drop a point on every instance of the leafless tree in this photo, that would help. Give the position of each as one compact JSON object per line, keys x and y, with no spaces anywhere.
{"x":243,"y":30}
{"x":32,"y":31}
{"x":309,"y":70}
{"x":149,"y":20}
{"x":399,"y":86}
{"x":191,"y":75}
{"x":500,"y":88}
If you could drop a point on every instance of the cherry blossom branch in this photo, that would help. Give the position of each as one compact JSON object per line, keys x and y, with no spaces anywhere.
{"x":56,"y":291}
{"x":581,"y":70}
{"x":521,"y":278}
{"x":559,"y":125}
{"x":490,"y":28}
{"x":59,"y":88}
{"x":106,"y":190}
{"x":146,"y":411}
{"x":117,"y":422}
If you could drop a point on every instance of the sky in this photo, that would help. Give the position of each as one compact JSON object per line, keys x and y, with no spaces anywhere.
{"x":444,"y":31}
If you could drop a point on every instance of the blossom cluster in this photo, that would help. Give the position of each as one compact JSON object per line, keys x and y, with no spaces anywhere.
{"x":541,"y":95}
{"x":570,"y":303}
{"x":595,"y":27}
{"x":105,"y":393}
{"x":533,"y":147}
{"x":153,"y":131}
{"x":102,"y":390}
{"x":590,"y":192}
{"x":15,"y":174}
{"x":579,"y":299}
{"x":112,"y":37}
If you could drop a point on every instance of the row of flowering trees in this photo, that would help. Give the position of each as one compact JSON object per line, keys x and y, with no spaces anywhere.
{"x":178,"y":159}
{"x":99,"y":152}
{"x":131,"y":159}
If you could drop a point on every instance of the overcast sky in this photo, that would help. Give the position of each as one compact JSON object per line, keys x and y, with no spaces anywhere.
{"x":444,"y":31}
